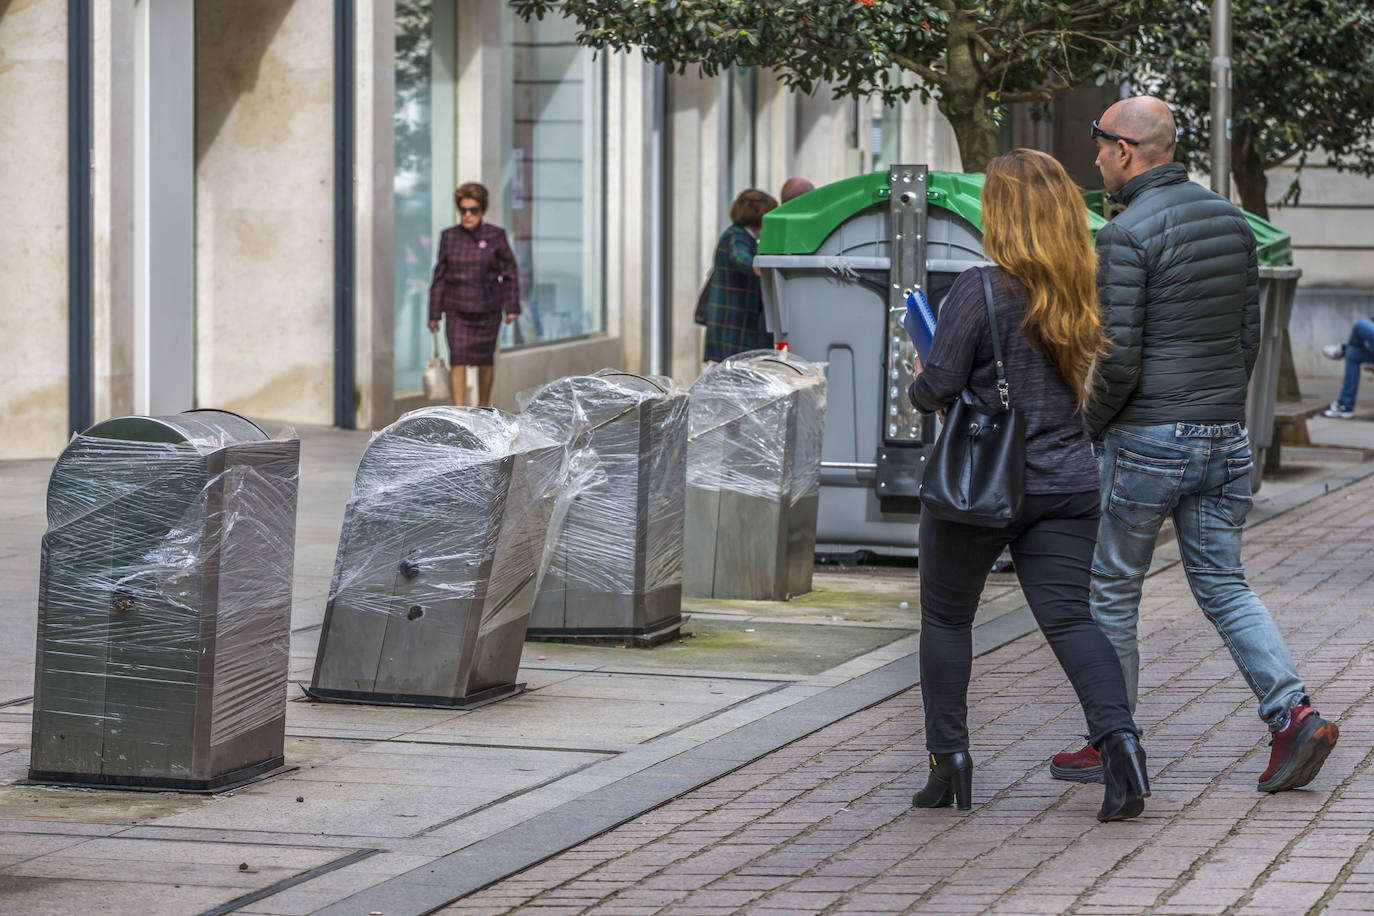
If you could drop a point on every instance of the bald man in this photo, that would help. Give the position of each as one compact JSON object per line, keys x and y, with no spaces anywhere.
{"x":795,"y":187}
{"x":1179,"y":287}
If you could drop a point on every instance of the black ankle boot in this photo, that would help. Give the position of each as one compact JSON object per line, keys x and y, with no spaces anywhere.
{"x":951,"y":781}
{"x":1123,"y":770}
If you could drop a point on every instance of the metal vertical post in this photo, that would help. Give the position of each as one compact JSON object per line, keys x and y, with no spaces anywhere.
{"x":345,"y":408}
{"x":79,"y":394}
{"x":1221,"y":97}
{"x":907,"y":274}
{"x":662,"y":257}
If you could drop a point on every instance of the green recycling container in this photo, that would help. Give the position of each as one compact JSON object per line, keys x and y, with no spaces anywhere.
{"x":832,"y":292}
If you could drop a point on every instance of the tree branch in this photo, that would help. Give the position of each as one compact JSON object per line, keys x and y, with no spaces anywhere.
{"x":986,"y":45}
{"x":929,"y":74}
{"x":1043,"y":94}
{"x":1003,"y":15}
{"x":1035,"y":95}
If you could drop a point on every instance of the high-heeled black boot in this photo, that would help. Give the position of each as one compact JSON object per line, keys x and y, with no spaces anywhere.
{"x":1123,"y":771}
{"x":951,"y":781}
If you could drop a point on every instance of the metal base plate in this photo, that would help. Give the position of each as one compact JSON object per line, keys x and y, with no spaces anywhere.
{"x":645,"y":638}
{"x":225,"y":782}
{"x":471,"y":701}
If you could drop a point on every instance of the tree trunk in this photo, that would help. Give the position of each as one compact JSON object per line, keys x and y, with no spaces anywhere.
{"x":1253,"y":188}
{"x":1253,"y":185}
{"x":1248,"y":170}
{"x":964,"y":98}
{"x":976,"y":133}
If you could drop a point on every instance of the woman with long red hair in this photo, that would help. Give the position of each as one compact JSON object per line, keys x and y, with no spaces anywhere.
{"x":1050,"y":331}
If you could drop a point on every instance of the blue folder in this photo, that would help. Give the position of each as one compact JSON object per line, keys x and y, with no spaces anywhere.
{"x":919,"y":323}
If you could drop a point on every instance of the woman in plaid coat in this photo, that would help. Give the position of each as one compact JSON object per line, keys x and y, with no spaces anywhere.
{"x":734,"y":310}
{"x":476,"y":283}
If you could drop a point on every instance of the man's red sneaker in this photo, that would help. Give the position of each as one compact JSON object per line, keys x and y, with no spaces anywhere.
{"x":1299,"y":750}
{"x":1077,"y":766}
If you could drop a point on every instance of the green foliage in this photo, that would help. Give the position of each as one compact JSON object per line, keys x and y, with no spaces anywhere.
{"x":1303,"y":81}
{"x":974,"y":56}
{"x":855,"y":45}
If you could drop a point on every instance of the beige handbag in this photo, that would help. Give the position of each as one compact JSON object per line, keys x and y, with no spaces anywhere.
{"x":438,"y":382}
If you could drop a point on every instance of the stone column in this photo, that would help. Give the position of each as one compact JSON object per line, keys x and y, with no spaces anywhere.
{"x":33,"y":233}
{"x":265,"y":208}
{"x":112,"y":208}
{"x":374,"y":212}
{"x":697,"y":181}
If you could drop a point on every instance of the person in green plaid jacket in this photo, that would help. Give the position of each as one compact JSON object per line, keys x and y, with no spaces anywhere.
{"x":734,"y":311}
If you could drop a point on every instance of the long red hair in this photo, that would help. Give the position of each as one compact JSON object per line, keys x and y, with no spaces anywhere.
{"x":1035,"y":227}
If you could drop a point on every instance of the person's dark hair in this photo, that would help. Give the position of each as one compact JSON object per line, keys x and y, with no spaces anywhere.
{"x":472,"y":191}
{"x":749,"y":207}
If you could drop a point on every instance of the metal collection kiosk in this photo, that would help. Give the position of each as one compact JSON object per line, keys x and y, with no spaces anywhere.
{"x":615,"y":574}
{"x":437,"y":561}
{"x":753,"y":477}
{"x":165,"y":604}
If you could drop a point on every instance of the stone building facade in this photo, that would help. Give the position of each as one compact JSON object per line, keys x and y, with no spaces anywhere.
{"x":234,"y":203}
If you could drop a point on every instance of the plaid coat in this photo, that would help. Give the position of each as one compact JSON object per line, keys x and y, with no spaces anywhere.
{"x":475,"y":283}
{"x":734,"y":310}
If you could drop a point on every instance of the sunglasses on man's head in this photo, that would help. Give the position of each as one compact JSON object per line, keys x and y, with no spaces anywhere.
{"x":470,"y":210}
{"x":1099,"y":132}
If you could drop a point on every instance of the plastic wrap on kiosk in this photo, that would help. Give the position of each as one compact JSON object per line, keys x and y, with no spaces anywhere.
{"x":745,"y":398}
{"x":441,"y":548}
{"x":621,"y":519}
{"x":753,"y":477}
{"x":810,"y":378}
{"x":165,"y":603}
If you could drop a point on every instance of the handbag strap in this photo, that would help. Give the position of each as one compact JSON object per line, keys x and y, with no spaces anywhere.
{"x":1003,"y":389}
{"x":436,"y":344}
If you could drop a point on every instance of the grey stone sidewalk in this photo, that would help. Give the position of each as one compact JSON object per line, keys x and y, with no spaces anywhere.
{"x":824,"y":825}
{"x":379,"y":792}
{"x":415,"y":808}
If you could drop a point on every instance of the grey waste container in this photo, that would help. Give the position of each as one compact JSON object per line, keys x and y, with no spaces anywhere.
{"x":615,"y":569}
{"x":753,"y":477}
{"x":834,"y":287}
{"x":836,"y":264}
{"x":1278,"y":286}
{"x":437,"y":561}
{"x":165,"y":604}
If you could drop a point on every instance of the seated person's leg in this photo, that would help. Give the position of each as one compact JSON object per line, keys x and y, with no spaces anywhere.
{"x":1357,"y":351}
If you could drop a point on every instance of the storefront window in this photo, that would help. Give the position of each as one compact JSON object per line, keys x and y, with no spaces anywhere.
{"x":556,"y":196}
{"x":423,"y":181}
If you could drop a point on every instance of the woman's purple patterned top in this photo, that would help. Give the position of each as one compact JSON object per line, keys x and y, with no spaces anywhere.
{"x":475,"y":274}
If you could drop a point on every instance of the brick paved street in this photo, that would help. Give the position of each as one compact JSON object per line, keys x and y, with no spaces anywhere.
{"x":824,"y":825}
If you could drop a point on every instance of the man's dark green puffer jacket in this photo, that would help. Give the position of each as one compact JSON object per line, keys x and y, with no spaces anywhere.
{"x":1178,"y":281}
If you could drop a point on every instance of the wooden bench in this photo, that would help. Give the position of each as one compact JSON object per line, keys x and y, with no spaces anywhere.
{"x":1290,"y":427}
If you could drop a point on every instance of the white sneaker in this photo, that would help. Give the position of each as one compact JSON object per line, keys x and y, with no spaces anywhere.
{"x":1334,"y":351}
{"x":1337,"y":412}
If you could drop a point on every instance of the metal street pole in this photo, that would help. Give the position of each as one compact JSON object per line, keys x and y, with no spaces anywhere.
{"x":1221,"y":97}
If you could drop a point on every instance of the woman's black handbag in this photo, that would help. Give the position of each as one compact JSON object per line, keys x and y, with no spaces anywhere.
{"x":700,"y":316}
{"x":976,"y":473}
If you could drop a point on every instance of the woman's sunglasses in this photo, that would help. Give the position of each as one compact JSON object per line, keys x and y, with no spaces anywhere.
{"x":1099,"y":132}
{"x":476,"y":210}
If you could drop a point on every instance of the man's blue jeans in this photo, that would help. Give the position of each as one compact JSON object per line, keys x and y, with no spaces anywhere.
{"x":1200,"y":475}
{"x":1358,"y":350}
